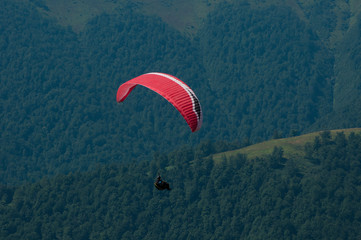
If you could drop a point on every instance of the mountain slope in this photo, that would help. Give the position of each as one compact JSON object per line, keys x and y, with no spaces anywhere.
{"x":254,"y":73}
{"x":268,"y":198}
{"x":184,"y":15}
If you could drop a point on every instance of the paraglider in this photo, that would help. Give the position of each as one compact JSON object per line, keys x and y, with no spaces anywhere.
{"x":171,"y":88}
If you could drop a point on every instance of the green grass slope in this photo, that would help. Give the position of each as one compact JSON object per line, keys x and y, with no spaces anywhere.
{"x":292,"y":147}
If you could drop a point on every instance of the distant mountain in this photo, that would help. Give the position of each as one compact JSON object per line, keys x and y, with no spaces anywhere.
{"x":258,"y":67}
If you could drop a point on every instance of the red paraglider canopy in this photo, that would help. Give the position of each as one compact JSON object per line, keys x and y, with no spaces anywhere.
{"x":172,"y":89}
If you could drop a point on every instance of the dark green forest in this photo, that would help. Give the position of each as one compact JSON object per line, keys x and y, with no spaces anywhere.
{"x":75,"y":164}
{"x":256,"y":69}
{"x":314,"y":197}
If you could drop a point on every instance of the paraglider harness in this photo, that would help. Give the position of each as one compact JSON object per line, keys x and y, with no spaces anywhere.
{"x":161,"y":184}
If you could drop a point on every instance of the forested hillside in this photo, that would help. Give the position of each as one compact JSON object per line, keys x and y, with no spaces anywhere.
{"x":316,"y":197}
{"x":284,"y":66}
